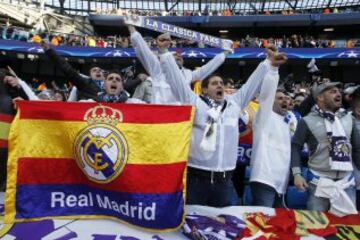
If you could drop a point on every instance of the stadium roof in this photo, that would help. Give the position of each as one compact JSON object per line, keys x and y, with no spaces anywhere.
{"x":84,"y":7}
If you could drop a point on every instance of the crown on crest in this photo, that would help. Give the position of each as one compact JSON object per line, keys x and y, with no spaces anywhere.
{"x":103,"y":114}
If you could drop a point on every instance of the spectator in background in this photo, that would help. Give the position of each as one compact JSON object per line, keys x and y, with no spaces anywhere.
{"x":349,"y":44}
{"x":144,"y":89}
{"x":91,"y":41}
{"x":124,"y":42}
{"x":56,"y":40}
{"x":326,"y":11}
{"x":36,"y":39}
{"x":236,"y":44}
{"x":298,"y":99}
{"x":100,"y":43}
{"x":227,"y":12}
{"x":59,"y":96}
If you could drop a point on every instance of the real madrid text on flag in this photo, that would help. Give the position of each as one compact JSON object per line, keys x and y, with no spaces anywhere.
{"x":88,"y":160}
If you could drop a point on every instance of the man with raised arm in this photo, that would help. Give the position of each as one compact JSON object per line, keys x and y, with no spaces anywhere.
{"x":215,"y":134}
{"x":112,"y":90}
{"x":162,"y":92}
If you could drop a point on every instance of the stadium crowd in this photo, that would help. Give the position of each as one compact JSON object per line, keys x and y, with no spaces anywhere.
{"x":313,"y":124}
{"x":208,"y":12}
{"x":293,"y":41}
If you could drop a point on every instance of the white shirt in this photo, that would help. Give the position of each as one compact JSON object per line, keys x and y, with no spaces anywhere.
{"x":29,"y":92}
{"x":162,"y":92}
{"x":271,"y":150}
{"x":225,"y":156}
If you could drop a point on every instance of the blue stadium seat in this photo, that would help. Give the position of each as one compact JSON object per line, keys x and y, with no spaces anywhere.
{"x":295,"y":198}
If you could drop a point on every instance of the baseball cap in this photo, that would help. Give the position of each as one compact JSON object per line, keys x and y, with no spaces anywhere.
{"x":325,"y":86}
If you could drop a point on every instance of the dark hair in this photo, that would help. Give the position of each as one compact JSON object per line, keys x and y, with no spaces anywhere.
{"x":114,"y":71}
{"x":355,"y":102}
{"x":62,"y":93}
{"x":94,"y":66}
{"x":205,"y":82}
{"x":299,"y":94}
{"x":282,"y":90}
{"x":4,"y":72}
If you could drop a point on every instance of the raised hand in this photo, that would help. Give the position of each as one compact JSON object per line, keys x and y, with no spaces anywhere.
{"x":163,"y":41}
{"x":277,"y":59}
{"x":12,"y":81}
{"x":131,"y":28}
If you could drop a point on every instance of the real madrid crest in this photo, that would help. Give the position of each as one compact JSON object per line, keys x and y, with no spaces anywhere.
{"x":100,"y":149}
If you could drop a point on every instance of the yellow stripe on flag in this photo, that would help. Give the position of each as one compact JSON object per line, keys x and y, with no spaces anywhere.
{"x":4,"y":130}
{"x":11,"y":179}
{"x":148,"y":143}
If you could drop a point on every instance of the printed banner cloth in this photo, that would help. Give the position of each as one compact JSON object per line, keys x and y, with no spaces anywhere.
{"x":205,"y":223}
{"x":87,"y":160}
{"x":179,"y":32}
{"x":186,"y":53}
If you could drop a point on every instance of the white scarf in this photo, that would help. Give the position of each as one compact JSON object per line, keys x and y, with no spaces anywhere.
{"x":340,"y":203}
{"x":208,"y":141}
{"x":340,"y":147}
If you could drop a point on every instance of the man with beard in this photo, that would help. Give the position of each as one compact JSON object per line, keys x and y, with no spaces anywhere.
{"x":273,"y":128}
{"x":334,"y":145}
{"x":215,"y":136}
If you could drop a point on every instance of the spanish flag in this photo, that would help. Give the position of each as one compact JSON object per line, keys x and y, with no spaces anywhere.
{"x":88,"y":160}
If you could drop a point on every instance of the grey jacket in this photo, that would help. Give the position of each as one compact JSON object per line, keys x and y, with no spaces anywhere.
{"x":311,"y":130}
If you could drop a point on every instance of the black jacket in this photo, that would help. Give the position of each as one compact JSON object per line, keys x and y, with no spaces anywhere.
{"x":86,"y":86}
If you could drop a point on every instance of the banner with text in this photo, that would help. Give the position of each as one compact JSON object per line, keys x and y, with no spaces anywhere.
{"x":87,"y":160}
{"x":179,"y":32}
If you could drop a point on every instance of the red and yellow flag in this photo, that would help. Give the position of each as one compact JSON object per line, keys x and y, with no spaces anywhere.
{"x":88,"y":160}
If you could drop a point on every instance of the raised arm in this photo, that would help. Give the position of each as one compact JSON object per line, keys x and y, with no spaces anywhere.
{"x":147,"y":58}
{"x":73,"y":96}
{"x":207,"y":69}
{"x":305,"y":107}
{"x":266,"y":98}
{"x":253,"y":85}
{"x":28,"y":91}
{"x":79,"y":81}
{"x":182,"y":92}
